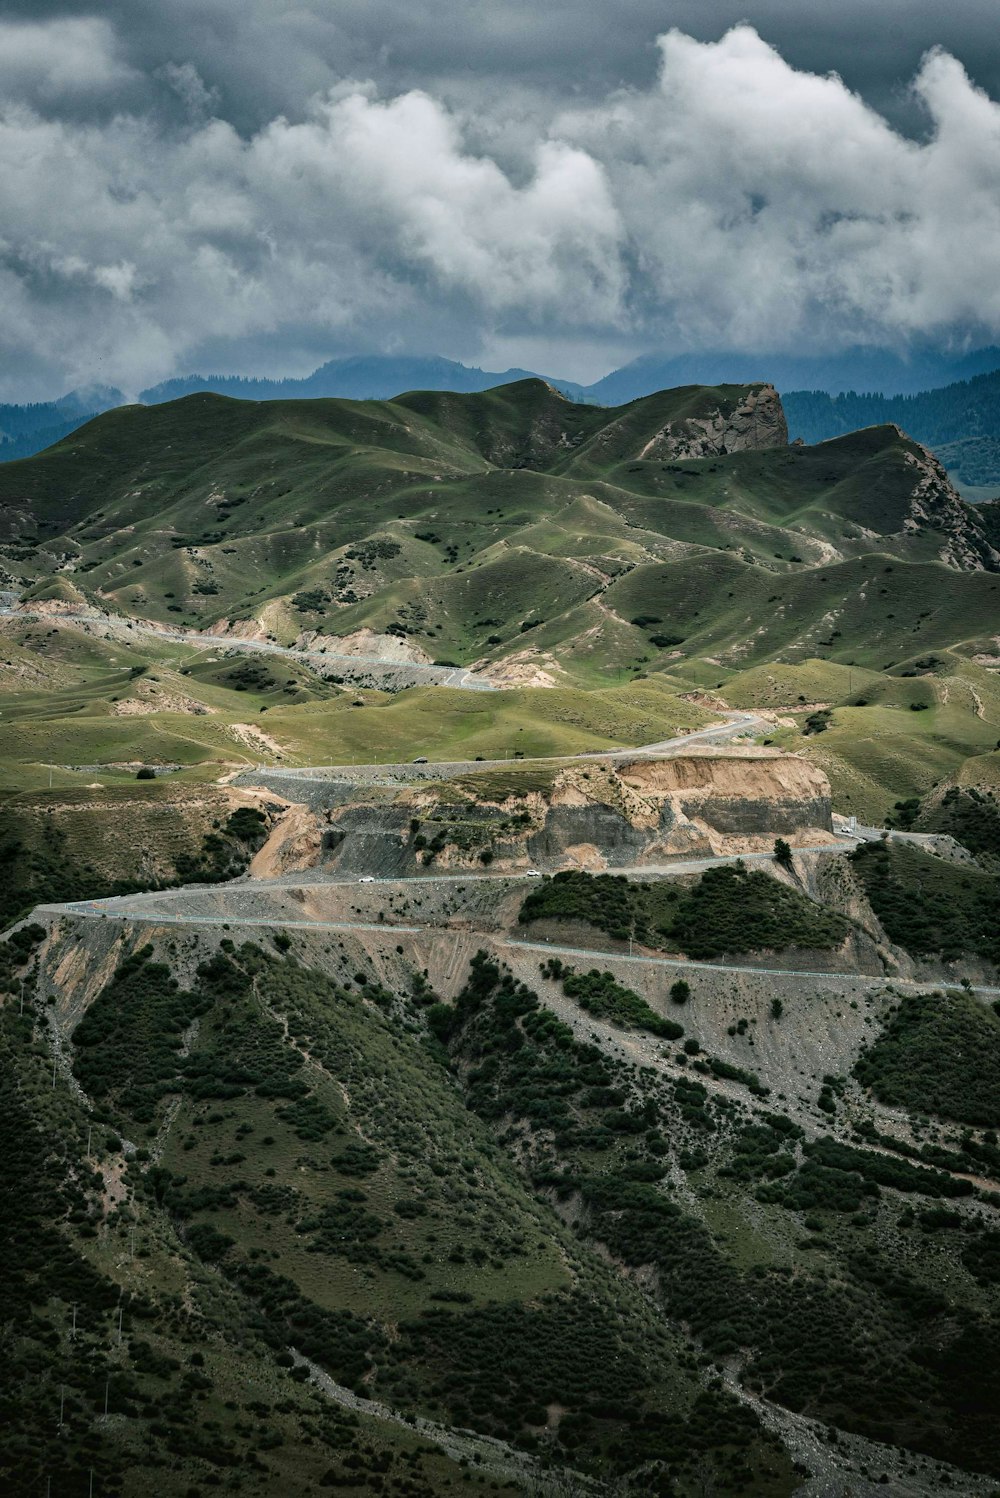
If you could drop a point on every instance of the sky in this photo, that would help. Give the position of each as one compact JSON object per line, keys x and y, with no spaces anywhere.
{"x":254,"y":186}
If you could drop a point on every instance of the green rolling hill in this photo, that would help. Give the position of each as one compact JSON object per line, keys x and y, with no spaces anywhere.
{"x":340,"y":514}
{"x":537,"y":1226}
{"x":678,"y":540}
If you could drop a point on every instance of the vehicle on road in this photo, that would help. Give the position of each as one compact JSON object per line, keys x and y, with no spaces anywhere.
{"x":421,"y":759}
{"x":534,"y":874}
{"x":367,"y":879}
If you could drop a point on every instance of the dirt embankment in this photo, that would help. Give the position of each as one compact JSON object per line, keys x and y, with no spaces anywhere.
{"x":368,"y":645}
{"x":820,"y":1029}
{"x":596,"y":815}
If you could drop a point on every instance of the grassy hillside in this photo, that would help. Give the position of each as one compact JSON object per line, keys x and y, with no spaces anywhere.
{"x":302,"y":1171}
{"x":334,"y":514}
{"x":80,"y":709}
{"x":513,"y":530}
{"x":482,"y":1213}
{"x":543,"y":1230}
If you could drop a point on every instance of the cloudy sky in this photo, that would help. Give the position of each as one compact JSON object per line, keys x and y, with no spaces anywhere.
{"x":258,"y":185}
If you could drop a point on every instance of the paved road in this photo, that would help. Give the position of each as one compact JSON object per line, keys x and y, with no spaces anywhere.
{"x":102,"y":910}
{"x":728,"y":967}
{"x":314,"y":879}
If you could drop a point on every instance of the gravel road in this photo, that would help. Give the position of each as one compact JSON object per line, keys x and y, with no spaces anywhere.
{"x":393,"y":674}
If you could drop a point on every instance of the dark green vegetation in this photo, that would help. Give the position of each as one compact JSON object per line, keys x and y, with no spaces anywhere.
{"x":958,"y":421}
{"x":277,"y":1159}
{"x":601,"y":996}
{"x":931,"y":907}
{"x":727,"y":909}
{"x":430,"y":1200}
{"x":858,"y":1336}
{"x":939,"y":1053}
{"x":39,"y":865}
{"x":129,"y":1367}
{"x":970,"y":816}
{"x":28,"y":429}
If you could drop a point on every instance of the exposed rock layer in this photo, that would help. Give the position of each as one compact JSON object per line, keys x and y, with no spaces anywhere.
{"x":605,"y":815}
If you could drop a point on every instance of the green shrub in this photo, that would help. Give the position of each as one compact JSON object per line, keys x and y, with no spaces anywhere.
{"x":600,"y":995}
{"x":727,"y":910}
{"x":939,"y":1053}
{"x":929,"y":906}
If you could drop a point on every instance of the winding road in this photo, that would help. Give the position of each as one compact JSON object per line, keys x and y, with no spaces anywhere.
{"x":323,"y":661}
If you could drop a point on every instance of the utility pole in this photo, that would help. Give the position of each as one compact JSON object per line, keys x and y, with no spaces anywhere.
{"x":73,"y":1332}
{"x":53,"y":1070}
{"x":89,"y":1131}
{"x":120,"y":1310}
{"x":107,"y":1390}
{"x":62,"y":1406}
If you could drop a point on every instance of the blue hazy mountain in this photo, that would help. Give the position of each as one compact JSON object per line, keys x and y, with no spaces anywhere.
{"x":366,"y":377}
{"x":28,"y":429}
{"x":855,"y":369}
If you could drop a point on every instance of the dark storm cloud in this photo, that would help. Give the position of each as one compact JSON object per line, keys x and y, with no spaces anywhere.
{"x":253,"y":183}
{"x":267,"y":56}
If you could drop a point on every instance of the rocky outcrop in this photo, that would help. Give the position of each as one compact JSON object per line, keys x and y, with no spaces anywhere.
{"x":604,"y":815}
{"x":367,"y":645}
{"x":700,"y":803}
{"x":936,"y":505}
{"x":757,"y":421}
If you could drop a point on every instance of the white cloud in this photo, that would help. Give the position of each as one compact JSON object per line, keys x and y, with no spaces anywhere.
{"x":189,"y":86}
{"x":738,"y":202}
{"x":60,"y":59}
{"x":398,"y":173}
{"x":765,"y":205}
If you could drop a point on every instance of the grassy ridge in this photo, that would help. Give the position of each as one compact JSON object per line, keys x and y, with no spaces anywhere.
{"x":510,"y":528}
{"x":179,"y":509}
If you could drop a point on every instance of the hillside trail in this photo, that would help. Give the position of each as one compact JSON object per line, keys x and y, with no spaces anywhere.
{"x":644,"y":1051}
{"x":396,"y":673}
{"x":731,"y":725}
{"x":856,"y":1467}
{"x":484,"y":1453}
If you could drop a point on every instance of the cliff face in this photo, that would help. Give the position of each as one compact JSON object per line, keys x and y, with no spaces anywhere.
{"x":602,"y":815}
{"x":701,"y":803}
{"x":936,"y":505}
{"x":756,"y":422}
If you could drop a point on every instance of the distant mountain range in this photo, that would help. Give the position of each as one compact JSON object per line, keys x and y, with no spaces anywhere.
{"x":863,"y":369}
{"x":371,"y":377}
{"x":950,"y":403}
{"x":29,"y":429}
{"x":961,"y":422}
{"x":380,"y":377}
